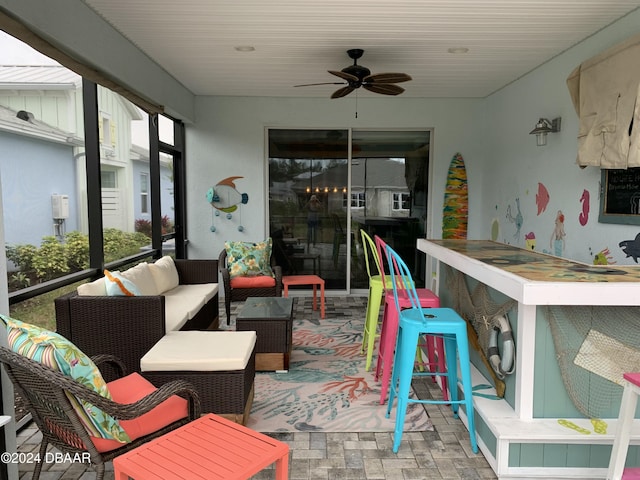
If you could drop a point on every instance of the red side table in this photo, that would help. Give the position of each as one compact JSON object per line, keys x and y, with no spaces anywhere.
{"x":210,"y":448}
{"x":314,"y":280}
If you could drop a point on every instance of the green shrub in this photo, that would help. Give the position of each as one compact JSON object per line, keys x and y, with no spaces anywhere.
{"x":50,"y":261}
{"x":119,"y":244}
{"x":55,"y":258}
{"x":77,"y":251}
{"x":22,"y":256}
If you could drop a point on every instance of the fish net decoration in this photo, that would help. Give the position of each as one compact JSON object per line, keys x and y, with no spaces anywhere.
{"x":593,"y":352}
{"x":477,"y":307}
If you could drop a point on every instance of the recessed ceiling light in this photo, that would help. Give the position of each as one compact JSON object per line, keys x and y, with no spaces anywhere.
{"x":245,"y":48}
{"x":458,"y":50}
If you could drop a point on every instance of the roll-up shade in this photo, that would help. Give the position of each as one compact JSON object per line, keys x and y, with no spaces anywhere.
{"x":20,"y":31}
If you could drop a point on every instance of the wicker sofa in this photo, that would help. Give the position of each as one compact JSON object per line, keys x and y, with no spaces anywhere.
{"x":129,"y":326}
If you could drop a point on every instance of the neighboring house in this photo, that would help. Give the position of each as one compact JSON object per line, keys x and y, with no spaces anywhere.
{"x":42,"y":131}
{"x":36,"y":162}
{"x":142,"y":189}
{"x":380,"y":190}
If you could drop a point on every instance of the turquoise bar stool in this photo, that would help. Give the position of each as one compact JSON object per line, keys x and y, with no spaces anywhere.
{"x":415,"y":322}
{"x":376,"y":291}
{"x":388,"y":332}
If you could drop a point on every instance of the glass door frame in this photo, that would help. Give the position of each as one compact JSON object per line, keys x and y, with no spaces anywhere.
{"x":350,"y":130}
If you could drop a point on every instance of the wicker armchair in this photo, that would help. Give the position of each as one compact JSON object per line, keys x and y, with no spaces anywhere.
{"x":43,"y":390}
{"x":241,"y":294}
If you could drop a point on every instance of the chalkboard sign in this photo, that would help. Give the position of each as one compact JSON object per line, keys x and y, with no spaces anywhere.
{"x":620,"y":196}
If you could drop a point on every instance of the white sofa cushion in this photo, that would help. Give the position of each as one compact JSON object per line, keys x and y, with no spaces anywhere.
{"x":165,"y":274}
{"x":179,"y":309}
{"x":203,"y":290}
{"x":142,"y":278}
{"x":200,"y":351}
{"x":96,"y":288}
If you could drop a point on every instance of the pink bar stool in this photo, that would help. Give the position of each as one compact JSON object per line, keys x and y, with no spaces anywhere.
{"x":389,"y":331}
{"x":623,"y":434}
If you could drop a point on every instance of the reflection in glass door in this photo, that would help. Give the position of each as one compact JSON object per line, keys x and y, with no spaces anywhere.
{"x":310,"y":199}
{"x":389,"y":172}
{"x":308,"y":180}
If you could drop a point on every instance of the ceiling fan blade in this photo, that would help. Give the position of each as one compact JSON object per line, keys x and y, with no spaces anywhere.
{"x":387,"y":78}
{"x":384,"y":88}
{"x":346,"y":76}
{"x":323,"y":83}
{"x":341,"y":92}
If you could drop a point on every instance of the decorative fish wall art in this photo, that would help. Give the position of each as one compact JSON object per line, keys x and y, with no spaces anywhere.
{"x":225,"y":197}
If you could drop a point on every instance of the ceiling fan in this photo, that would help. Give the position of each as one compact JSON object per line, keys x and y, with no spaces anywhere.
{"x":357,"y":76}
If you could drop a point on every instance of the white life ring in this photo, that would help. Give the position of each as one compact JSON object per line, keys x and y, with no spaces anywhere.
{"x":502,"y":360}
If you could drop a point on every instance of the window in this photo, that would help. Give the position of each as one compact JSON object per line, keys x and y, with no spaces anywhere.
{"x":144,"y":193}
{"x":108,"y":179}
{"x":401,"y":201}
{"x":107,"y":131}
{"x":358,"y":200}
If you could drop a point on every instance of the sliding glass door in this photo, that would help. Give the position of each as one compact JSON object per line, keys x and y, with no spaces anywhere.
{"x":324,"y":189}
{"x":389,"y":172}
{"x":308,"y":179}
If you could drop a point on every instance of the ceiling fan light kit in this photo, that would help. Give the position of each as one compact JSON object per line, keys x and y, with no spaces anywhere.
{"x":357,"y":76}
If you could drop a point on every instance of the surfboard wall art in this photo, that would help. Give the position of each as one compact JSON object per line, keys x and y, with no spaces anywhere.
{"x":456,"y":200}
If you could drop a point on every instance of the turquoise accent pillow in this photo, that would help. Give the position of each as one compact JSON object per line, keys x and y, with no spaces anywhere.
{"x":247,"y":259}
{"x":118,"y":286}
{"x":58,"y":353}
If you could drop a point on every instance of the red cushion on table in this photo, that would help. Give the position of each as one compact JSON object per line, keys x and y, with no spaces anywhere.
{"x":258,"y":281}
{"x":130,"y":389}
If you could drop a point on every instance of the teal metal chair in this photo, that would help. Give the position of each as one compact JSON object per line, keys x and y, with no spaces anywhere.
{"x":414,"y":323}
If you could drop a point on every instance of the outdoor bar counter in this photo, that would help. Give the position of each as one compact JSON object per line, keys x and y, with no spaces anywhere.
{"x":535,"y":430}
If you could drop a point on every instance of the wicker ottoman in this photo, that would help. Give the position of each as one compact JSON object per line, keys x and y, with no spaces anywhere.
{"x":220,"y":365}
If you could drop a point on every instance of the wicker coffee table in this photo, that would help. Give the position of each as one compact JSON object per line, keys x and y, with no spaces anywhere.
{"x":272,"y":320}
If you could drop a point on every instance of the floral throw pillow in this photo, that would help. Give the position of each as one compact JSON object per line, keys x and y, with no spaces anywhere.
{"x":58,"y":353}
{"x":247,"y":259}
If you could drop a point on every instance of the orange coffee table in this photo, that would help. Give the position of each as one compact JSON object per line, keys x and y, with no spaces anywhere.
{"x":314,"y":280}
{"x":208,"y":448}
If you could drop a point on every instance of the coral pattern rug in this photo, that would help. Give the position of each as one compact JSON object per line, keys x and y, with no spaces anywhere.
{"x":326,"y":388}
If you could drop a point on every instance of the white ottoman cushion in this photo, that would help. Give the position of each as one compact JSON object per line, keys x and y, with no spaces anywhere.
{"x":200,"y":351}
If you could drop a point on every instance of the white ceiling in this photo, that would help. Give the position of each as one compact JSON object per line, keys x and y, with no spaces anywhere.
{"x":297,"y":41}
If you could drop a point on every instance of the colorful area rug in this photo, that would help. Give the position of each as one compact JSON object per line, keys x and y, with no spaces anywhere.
{"x":326,"y":388}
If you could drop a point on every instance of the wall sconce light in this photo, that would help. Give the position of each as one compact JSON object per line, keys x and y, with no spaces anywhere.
{"x":543,"y":127}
